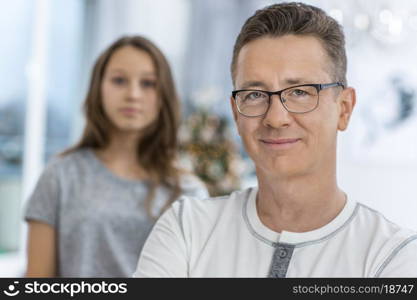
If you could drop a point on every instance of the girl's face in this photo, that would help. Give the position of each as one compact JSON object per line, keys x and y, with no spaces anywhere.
{"x":129,"y":90}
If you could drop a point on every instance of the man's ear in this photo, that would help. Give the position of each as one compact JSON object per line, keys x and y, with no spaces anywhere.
{"x":233,"y":106}
{"x":234,"y":111}
{"x":347,"y":101}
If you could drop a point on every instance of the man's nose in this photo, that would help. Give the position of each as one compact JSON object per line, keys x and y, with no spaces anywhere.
{"x":277,"y":115}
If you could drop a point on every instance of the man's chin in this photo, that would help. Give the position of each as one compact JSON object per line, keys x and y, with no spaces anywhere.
{"x":282,"y":169}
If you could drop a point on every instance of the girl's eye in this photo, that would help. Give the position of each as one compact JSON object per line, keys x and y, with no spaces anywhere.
{"x":118,"y":80}
{"x":146,"y":83}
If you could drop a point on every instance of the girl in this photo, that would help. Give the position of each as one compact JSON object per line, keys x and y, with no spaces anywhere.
{"x":95,"y":204}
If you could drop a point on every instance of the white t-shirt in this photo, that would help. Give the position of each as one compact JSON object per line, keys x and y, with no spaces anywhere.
{"x":224,"y":237}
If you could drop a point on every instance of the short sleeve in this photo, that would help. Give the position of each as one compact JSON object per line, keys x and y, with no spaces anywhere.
{"x":164,"y":253}
{"x":402,"y":262}
{"x":42,"y":205}
{"x":192,"y":186}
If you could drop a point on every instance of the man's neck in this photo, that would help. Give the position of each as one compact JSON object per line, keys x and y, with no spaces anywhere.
{"x":298,"y":204}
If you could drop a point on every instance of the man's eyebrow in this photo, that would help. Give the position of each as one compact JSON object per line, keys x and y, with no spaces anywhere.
{"x":259,"y":84}
{"x":253,"y":84}
{"x":294,"y":81}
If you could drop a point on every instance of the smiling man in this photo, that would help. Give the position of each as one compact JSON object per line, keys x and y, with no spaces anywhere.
{"x":291,"y":98}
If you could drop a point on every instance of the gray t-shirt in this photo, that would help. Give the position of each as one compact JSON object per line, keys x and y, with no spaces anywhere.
{"x":100,"y":218}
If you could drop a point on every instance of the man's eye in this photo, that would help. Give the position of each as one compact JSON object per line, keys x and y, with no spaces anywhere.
{"x":255,"y":96}
{"x":118,"y":80}
{"x":298,"y":92}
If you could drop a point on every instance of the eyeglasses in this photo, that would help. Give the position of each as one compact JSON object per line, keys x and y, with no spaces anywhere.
{"x":296,"y":99}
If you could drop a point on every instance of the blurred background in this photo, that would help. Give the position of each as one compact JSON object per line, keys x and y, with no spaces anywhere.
{"x":48,"y":48}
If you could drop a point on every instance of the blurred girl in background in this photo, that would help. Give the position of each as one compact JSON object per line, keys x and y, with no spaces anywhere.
{"x":95,"y":204}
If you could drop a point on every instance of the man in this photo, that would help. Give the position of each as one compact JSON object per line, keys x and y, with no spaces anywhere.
{"x":290,"y":100}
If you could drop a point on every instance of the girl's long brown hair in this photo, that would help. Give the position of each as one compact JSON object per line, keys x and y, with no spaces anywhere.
{"x":157,"y":146}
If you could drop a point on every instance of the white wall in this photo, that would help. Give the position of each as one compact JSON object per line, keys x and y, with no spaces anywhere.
{"x":390,"y":189}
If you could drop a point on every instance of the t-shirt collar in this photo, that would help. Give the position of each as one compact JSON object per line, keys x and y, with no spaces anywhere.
{"x":303,"y":238}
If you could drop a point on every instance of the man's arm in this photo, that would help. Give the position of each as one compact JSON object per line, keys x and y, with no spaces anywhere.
{"x":164,"y":253}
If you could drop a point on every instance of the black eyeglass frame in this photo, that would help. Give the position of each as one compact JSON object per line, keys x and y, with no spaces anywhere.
{"x":318,"y":86}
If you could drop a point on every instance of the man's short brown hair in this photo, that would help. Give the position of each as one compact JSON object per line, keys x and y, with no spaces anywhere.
{"x":298,"y":19}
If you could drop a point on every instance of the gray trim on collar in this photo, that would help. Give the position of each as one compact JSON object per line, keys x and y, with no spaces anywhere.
{"x":180,"y":214}
{"x":394,"y":253}
{"x":296,"y":245}
{"x":330,"y":235}
{"x":249,"y":226}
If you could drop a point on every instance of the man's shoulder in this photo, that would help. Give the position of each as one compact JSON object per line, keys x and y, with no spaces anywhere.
{"x":387,"y":238}
{"x":212,"y":209}
{"x":375,"y":220}
{"x":219,"y":202}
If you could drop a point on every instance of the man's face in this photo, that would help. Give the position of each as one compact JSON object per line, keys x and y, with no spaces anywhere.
{"x":281,"y":143}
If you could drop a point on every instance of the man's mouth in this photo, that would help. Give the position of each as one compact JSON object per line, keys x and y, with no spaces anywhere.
{"x":280,"y":143}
